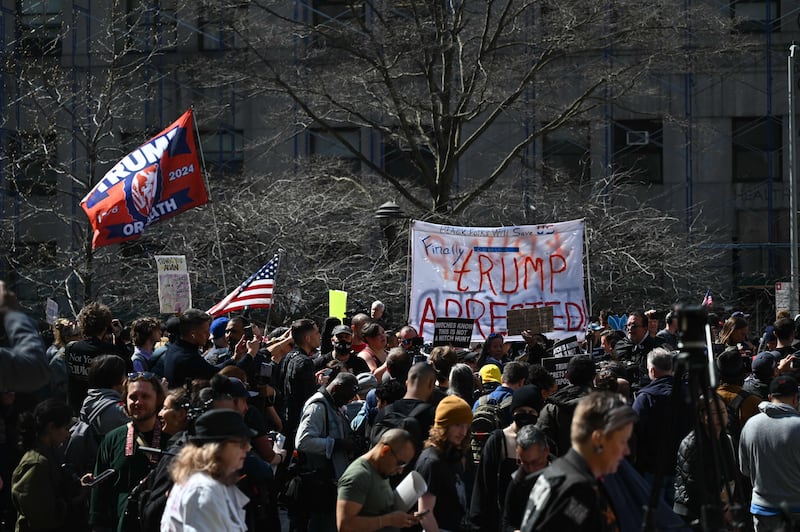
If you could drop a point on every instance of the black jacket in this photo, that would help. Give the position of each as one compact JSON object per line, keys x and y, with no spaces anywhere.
{"x":555,"y":418}
{"x":183,"y":361}
{"x":566,"y":496}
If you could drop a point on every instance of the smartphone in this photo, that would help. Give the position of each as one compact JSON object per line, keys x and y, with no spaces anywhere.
{"x":795,"y":363}
{"x":248,"y":332}
{"x":265,"y":370}
{"x":100,"y":478}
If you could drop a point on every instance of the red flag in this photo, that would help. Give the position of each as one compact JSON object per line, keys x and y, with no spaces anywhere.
{"x":157,"y":180}
{"x":255,"y":292}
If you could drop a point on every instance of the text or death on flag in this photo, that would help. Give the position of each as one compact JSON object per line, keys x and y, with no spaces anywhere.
{"x":255,"y":292}
{"x":481,"y":273}
{"x":157,"y":180}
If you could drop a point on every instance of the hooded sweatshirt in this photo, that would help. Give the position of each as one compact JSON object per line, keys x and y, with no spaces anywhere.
{"x":104,"y":407}
{"x":770,"y":456}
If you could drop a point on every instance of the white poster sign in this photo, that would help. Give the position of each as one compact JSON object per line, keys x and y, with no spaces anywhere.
{"x":483,"y":272}
{"x":174,"y":289}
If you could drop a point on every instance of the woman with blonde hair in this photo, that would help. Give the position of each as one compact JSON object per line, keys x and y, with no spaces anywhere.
{"x":444,"y":464}
{"x":205,"y":472}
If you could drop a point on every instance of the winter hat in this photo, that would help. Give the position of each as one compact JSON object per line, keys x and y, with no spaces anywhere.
{"x":528,"y":395}
{"x":453,"y":410}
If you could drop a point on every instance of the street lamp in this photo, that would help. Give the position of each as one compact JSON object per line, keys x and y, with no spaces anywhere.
{"x":387,"y":214}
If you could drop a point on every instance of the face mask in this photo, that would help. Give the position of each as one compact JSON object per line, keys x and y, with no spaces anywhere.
{"x":523,"y":418}
{"x":341,"y":348}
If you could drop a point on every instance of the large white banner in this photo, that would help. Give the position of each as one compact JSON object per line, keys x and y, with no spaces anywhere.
{"x":483,"y":272}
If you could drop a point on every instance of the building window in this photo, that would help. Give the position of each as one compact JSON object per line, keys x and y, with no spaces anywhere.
{"x":566,"y":152}
{"x":638,"y":149}
{"x":218,"y":26}
{"x":28,"y":257}
{"x":152,"y":25}
{"x":323,"y":144}
{"x":33,"y":160}
{"x":326,"y":11}
{"x":756,"y":15}
{"x":755,"y":265}
{"x":40,"y":26}
{"x":399,"y":162}
{"x":223,"y":150}
{"x":756,"y":149}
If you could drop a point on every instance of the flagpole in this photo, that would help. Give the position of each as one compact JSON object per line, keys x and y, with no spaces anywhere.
{"x":588,"y":269}
{"x":210,"y":200}
{"x":274,"y":285}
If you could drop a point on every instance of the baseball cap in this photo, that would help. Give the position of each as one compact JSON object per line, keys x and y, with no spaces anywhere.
{"x":764,"y":363}
{"x":238,"y":389}
{"x":366,"y":382}
{"x":339,"y":329}
{"x":218,"y":327}
{"x":783,"y":386}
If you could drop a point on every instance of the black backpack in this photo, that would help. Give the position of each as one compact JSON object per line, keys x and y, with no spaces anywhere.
{"x":397,"y":420}
{"x":487,"y":418}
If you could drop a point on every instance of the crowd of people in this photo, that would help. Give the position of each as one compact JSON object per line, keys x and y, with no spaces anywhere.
{"x":217,"y":424}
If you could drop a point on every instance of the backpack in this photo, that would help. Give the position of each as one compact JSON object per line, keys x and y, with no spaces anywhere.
{"x":734,"y":427}
{"x":84,"y":442}
{"x":397,"y":420}
{"x":487,"y":418}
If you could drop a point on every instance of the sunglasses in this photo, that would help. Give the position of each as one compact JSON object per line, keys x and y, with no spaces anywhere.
{"x":400,"y":463}
{"x":142,"y":375}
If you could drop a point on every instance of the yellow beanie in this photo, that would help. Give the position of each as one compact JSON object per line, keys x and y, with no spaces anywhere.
{"x":453,"y":410}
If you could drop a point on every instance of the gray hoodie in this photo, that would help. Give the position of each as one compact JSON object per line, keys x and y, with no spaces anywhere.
{"x":770,"y":455}
{"x":104,"y":407}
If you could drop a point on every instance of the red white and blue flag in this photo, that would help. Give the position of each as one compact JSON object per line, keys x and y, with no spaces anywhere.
{"x":157,"y":180}
{"x":708,"y":300}
{"x":255,"y":292}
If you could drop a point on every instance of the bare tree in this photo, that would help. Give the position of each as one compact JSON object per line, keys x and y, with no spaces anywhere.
{"x":460,"y":87}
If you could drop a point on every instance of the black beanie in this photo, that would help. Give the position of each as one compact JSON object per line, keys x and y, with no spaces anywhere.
{"x":528,"y":395}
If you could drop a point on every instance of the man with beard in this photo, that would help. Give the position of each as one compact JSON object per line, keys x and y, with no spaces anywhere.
{"x":342,"y":357}
{"x":143,"y":396}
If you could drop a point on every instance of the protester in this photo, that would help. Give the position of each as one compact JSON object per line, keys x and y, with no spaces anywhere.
{"x":143,"y":397}
{"x":366,"y":501}
{"x":145,"y":332}
{"x":23,"y":361}
{"x":39,"y":488}
{"x":533,"y":454}
{"x":443,"y":465}
{"x":205,"y":472}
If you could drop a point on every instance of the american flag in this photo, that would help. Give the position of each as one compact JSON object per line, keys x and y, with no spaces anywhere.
{"x":708,"y":300}
{"x":255,"y":292}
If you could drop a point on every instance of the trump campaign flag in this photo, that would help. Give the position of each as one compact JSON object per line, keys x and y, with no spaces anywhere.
{"x":255,"y":292}
{"x":157,"y":180}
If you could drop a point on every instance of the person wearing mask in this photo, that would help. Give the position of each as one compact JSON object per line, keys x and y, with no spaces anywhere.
{"x":205,"y":472}
{"x":443,"y":465}
{"x":499,"y":460}
{"x":533,"y":454}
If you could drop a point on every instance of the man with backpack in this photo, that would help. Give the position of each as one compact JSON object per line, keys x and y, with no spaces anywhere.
{"x":741,"y":405}
{"x":555,"y":418}
{"x":514,"y":376}
{"x":413,"y":412}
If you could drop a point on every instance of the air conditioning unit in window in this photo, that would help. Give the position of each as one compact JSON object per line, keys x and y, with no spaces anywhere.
{"x":637,"y":138}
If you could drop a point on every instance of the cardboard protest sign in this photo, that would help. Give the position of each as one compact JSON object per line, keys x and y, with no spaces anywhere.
{"x":536,"y":320}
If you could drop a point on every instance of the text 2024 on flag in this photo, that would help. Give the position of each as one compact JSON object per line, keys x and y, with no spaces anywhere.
{"x":157,"y":180}
{"x":255,"y":292}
